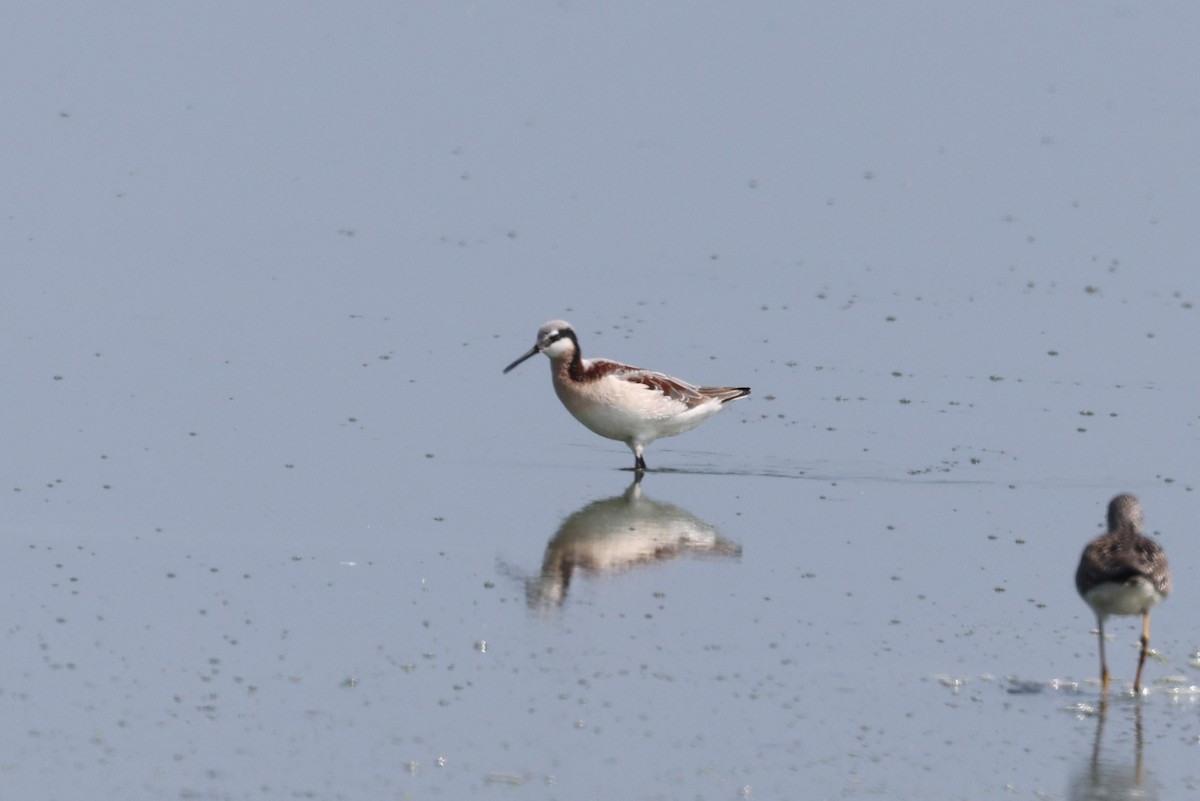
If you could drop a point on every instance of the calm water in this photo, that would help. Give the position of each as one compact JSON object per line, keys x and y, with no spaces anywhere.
{"x":276,"y":526}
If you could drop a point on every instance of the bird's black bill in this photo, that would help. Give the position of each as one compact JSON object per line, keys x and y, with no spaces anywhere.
{"x":532,"y":352}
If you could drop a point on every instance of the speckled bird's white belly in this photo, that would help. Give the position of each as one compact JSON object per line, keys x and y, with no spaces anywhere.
{"x":1135,"y":597}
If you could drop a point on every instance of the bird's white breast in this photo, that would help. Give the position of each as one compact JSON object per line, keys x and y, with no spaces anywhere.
{"x":1134,"y":597}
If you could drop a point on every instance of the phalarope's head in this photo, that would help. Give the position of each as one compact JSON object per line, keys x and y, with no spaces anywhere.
{"x":555,"y":339}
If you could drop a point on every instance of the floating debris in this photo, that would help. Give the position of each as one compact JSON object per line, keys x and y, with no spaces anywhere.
{"x":1177,"y":678}
{"x":1061,"y":685}
{"x":1025,"y":687}
{"x":1083,"y":710}
{"x":511,"y":779}
{"x":952,"y":682}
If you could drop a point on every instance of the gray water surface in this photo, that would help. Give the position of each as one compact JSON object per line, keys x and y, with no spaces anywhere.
{"x":276,"y":526}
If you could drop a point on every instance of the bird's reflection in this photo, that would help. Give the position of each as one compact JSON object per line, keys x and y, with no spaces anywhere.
{"x":1109,"y":774}
{"x":618,"y":533}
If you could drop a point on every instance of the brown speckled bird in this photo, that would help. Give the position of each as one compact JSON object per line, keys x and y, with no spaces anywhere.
{"x":1123,"y":572}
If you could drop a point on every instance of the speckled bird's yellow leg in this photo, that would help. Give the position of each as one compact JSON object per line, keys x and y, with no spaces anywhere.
{"x":1104,"y":677}
{"x":1137,"y":680}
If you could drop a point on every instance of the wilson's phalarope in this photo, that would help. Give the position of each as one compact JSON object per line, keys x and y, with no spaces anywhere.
{"x":620,"y":402}
{"x":1123,"y":572}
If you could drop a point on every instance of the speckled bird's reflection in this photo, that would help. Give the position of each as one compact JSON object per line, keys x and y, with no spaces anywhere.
{"x":1105,"y":777}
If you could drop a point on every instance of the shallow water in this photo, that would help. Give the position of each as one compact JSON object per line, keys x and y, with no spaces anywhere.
{"x":277,"y":526}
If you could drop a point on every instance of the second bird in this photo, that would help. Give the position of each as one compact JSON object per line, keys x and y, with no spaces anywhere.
{"x":621,"y":402}
{"x":1123,"y":572}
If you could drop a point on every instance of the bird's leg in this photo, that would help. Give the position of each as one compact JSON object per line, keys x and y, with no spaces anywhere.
{"x":639,"y":463}
{"x":1103,"y":662}
{"x":1137,"y":680}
